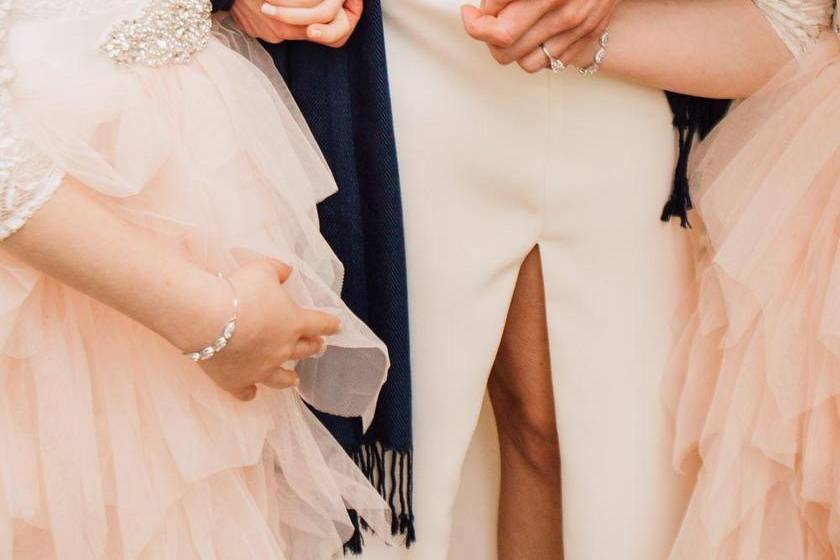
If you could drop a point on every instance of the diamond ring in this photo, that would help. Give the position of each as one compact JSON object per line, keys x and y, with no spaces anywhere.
{"x":555,"y":64}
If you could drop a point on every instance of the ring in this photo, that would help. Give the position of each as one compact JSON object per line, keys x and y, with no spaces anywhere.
{"x":555,"y":64}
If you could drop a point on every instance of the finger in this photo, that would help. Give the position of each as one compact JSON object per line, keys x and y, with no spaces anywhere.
{"x":331,"y":33}
{"x":325,"y":12}
{"x":576,"y":51}
{"x":307,"y":347}
{"x":600,"y":27}
{"x":509,"y":26}
{"x":282,"y":379}
{"x":536,"y":61}
{"x":288,"y":32}
{"x":283,"y":270}
{"x":294,"y":3}
{"x":540,"y":33}
{"x":246,"y":394}
{"x":354,"y":10}
{"x":493,"y":7}
{"x":318,"y":323}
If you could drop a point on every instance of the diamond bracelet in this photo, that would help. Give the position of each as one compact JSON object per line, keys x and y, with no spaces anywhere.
{"x":600,"y":55}
{"x":226,"y":334}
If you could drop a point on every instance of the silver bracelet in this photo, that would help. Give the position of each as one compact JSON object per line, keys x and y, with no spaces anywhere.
{"x":227,"y":331}
{"x":600,"y":55}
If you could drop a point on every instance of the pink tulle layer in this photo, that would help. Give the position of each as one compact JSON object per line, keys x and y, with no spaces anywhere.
{"x":755,"y":380}
{"x":113,"y":444}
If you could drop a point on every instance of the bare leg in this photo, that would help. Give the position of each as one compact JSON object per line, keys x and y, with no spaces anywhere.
{"x":530,"y":507}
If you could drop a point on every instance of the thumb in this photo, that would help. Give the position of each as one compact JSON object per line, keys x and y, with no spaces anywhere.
{"x":283,"y":270}
{"x":469,"y":14}
{"x":493,"y":7}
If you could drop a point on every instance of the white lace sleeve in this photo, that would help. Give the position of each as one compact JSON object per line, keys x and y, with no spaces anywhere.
{"x":27,"y":178}
{"x":837,"y":17}
{"x":798,"y":22}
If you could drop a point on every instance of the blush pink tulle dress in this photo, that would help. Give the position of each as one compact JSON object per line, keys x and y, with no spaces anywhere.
{"x":755,"y":381}
{"x":113,"y":445}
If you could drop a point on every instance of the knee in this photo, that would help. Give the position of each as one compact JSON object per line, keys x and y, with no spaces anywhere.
{"x":531,"y":434}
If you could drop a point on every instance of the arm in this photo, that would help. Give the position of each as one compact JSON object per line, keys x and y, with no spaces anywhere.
{"x":80,"y":242}
{"x":708,"y":48}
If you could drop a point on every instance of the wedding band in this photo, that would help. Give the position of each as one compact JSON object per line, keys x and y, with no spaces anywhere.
{"x":555,"y":64}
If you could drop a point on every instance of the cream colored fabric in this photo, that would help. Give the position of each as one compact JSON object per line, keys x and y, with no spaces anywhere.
{"x":492,"y":162}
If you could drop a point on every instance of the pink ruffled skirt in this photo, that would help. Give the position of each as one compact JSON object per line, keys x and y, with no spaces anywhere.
{"x":755,"y":381}
{"x":113,"y":444}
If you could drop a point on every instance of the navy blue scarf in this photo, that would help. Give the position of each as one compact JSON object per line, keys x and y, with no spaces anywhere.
{"x":694,"y":118}
{"x":344,"y":96}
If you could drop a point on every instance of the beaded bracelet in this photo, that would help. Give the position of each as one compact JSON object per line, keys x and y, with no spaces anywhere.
{"x":600,"y":55}
{"x":227,"y":331}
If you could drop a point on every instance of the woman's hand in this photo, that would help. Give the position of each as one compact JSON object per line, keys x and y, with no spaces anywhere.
{"x":327,"y":22}
{"x":714,"y":48}
{"x":271,"y":330}
{"x":249,"y":17}
{"x":580,"y":53}
{"x":514,"y":29}
{"x":82,"y":243}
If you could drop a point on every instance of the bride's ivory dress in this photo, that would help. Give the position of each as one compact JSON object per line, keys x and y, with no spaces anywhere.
{"x":492,"y":162}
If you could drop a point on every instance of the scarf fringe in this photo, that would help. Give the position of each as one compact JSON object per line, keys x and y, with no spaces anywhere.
{"x":390,"y":472}
{"x":693,"y":117}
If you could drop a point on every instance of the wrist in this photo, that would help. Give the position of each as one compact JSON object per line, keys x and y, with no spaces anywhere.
{"x":202,"y":304}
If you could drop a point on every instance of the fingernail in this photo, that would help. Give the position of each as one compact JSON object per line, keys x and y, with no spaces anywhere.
{"x":269,"y":10}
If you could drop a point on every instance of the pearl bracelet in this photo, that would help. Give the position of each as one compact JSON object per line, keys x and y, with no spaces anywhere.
{"x":600,"y":55}
{"x":227,"y":331}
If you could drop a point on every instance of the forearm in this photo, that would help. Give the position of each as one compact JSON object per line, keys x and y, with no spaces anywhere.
{"x":708,"y":48}
{"x":80,"y":242}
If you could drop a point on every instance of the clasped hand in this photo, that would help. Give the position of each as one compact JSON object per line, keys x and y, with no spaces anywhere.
{"x":515,"y":29}
{"x":328,"y":22}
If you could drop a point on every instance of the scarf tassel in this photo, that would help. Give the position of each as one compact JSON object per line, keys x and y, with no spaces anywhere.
{"x":693,"y":117}
{"x":390,"y":472}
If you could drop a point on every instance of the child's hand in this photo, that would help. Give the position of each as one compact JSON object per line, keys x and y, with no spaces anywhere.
{"x":328,"y":22}
{"x":271,"y":330}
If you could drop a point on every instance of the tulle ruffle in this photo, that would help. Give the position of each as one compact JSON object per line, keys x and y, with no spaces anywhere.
{"x":112,"y":444}
{"x":754,"y":383}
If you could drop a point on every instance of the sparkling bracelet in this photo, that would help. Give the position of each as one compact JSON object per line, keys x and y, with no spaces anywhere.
{"x":227,"y":331}
{"x":600,"y":55}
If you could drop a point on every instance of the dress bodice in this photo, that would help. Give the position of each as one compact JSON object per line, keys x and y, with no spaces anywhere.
{"x":53,"y":8}
{"x":150,"y":32}
{"x":799,"y":22}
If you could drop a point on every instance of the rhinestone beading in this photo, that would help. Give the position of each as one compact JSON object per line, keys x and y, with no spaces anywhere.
{"x":165,"y":32}
{"x":600,"y":56}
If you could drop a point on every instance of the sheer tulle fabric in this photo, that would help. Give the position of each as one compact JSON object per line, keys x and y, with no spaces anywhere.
{"x":112,"y":444}
{"x":755,"y":380}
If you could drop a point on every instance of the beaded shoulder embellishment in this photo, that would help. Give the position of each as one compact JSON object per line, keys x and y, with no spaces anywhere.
{"x":165,"y":32}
